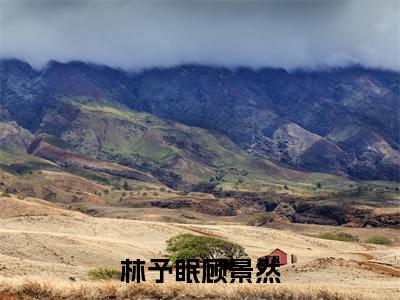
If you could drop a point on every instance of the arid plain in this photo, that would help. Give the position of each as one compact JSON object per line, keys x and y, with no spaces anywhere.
{"x":43,"y":243}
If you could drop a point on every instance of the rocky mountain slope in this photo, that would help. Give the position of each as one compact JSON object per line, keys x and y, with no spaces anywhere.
{"x":340,"y":121}
{"x":120,"y":142}
{"x":66,"y":159}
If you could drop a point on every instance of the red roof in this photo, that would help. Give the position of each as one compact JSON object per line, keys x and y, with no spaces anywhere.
{"x":278,"y":250}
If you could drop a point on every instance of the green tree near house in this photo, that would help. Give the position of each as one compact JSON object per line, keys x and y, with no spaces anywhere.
{"x":190,"y":246}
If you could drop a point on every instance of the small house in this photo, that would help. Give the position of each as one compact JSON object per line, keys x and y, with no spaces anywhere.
{"x":283,"y":260}
{"x":282,"y":256}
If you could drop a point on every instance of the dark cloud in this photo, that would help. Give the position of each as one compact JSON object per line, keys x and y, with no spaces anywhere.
{"x":137,"y":34}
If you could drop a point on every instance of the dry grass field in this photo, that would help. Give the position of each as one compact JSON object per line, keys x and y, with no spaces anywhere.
{"x":37,"y":288}
{"x":43,"y":247}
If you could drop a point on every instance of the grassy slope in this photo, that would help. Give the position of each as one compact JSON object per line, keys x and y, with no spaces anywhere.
{"x":20,"y":163}
{"x":196,"y":154}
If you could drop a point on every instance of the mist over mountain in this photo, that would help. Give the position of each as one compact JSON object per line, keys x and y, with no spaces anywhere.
{"x":146,"y":34}
{"x":343,"y":121}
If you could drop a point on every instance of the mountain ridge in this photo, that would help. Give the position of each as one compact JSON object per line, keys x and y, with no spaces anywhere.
{"x":342,"y":121}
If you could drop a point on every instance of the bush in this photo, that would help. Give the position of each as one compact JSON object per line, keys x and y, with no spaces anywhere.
{"x":183,"y":193}
{"x":5,"y":195}
{"x":104,"y":274}
{"x":190,"y":246}
{"x":261,"y":219}
{"x":340,"y":236}
{"x":379,"y":240}
{"x":126,"y":186}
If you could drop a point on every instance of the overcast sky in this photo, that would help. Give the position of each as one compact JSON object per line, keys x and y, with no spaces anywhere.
{"x":137,"y":34}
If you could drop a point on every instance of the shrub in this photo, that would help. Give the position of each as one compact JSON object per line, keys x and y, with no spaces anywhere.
{"x":190,"y":246}
{"x":104,"y":274}
{"x":126,"y":186}
{"x":4,"y":194}
{"x":340,"y":236}
{"x":261,"y":219}
{"x":379,"y":240}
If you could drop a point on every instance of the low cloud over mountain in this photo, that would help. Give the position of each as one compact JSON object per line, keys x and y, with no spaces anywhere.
{"x":137,"y":34}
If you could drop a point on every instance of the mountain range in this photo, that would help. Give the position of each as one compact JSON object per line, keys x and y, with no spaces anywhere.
{"x":194,"y":123}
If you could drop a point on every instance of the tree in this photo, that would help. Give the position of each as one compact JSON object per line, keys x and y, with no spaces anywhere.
{"x":126,"y":186}
{"x":319,"y":185}
{"x":184,"y":192}
{"x":190,"y":246}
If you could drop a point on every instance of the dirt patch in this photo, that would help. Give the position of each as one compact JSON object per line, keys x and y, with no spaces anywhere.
{"x":366,"y":256}
{"x":367,"y":247}
{"x":377,"y":267}
{"x":202,"y":232}
{"x":12,"y":207}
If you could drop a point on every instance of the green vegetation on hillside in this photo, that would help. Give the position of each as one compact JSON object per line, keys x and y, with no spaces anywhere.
{"x":19,"y":163}
{"x":340,"y":236}
{"x":379,"y":240}
{"x":178,"y":154}
{"x":104,"y":274}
